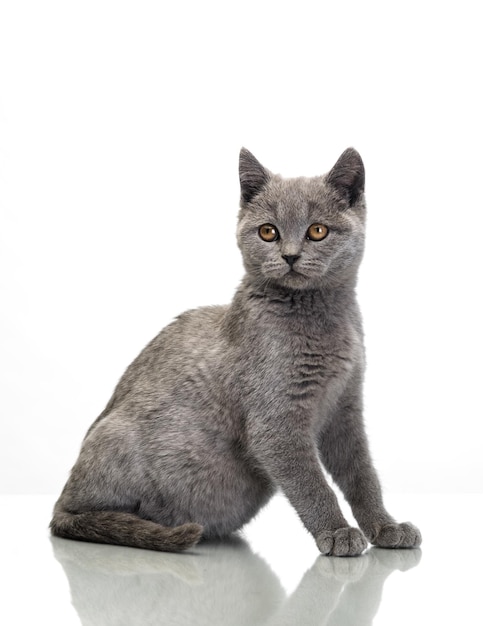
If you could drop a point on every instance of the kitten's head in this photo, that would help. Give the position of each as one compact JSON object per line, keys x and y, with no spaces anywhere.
{"x":302,"y":233}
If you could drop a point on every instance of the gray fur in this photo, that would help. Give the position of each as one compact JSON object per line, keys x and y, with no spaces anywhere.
{"x":229,"y":403}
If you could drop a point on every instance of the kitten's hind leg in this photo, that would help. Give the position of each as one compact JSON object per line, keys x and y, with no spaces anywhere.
{"x":344,"y":452}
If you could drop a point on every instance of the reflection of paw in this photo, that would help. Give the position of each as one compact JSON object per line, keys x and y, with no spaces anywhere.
{"x":342,"y":542}
{"x":343,"y":570}
{"x":398,"y":536}
{"x":401,"y":560}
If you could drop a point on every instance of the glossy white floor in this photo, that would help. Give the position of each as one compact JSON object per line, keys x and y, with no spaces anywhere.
{"x":272,"y":576}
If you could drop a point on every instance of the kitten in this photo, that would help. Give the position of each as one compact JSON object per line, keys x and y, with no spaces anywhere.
{"x":229,"y":403}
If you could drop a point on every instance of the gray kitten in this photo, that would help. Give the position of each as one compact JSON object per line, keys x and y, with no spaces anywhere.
{"x":229,"y":403}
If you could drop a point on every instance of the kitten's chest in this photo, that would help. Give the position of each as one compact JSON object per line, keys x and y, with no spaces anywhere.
{"x":318,"y":358}
{"x":309,"y":360}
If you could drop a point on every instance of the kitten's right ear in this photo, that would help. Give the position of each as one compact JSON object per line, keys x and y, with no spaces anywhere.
{"x":253,"y":176}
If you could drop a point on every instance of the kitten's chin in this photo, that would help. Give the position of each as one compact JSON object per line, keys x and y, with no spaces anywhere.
{"x":295,"y":280}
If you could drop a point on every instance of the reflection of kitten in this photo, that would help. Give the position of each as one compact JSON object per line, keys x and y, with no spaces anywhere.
{"x":113,"y":585}
{"x":228,"y":403}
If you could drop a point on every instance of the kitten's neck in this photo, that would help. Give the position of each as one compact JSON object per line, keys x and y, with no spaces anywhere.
{"x":324,"y":303}
{"x":272,"y":290}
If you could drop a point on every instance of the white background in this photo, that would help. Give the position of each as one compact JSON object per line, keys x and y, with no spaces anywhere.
{"x":120,"y":126}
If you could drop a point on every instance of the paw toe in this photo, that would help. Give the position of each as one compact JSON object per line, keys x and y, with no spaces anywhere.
{"x":342,"y":542}
{"x":412,"y":536}
{"x":325,"y":541}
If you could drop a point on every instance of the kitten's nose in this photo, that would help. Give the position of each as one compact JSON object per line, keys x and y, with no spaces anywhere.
{"x":291,"y":258}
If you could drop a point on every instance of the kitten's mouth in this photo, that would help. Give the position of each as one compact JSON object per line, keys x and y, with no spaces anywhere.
{"x":294,"y":271}
{"x":290,"y":276}
{"x":294,"y":276}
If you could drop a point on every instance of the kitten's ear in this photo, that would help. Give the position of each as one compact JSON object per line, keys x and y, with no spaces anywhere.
{"x":253,"y":176}
{"x":347,"y":175}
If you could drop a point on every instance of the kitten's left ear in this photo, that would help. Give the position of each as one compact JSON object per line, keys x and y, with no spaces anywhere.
{"x":253,"y":176}
{"x":347,"y":175}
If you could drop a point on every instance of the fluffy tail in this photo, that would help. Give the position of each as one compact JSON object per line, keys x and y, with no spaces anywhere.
{"x":124,"y":529}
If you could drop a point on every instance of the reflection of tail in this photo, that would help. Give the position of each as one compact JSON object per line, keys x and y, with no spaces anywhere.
{"x":124,"y":529}
{"x":218,"y":583}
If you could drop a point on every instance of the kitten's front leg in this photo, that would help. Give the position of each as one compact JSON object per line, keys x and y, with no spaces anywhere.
{"x":344,"y":452}
{"x":289,"y":455}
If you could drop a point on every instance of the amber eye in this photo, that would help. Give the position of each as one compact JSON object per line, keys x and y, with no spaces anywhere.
{"x":317,"y":232}
{"x":268,"y":232}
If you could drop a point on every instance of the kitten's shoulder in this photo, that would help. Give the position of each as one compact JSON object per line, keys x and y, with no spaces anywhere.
{"x":194,"y":327}
{"x":205,"y":314}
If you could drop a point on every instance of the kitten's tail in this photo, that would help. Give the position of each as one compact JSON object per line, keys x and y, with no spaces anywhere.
{"x":124,"y":529}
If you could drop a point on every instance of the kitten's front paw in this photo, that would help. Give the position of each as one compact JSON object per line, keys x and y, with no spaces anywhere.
{"x":342,"y":542}
{"x":404,"y":535}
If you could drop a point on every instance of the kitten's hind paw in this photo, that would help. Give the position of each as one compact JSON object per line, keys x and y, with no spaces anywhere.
{"x":404,"y":535}
{"x":342,"y":542}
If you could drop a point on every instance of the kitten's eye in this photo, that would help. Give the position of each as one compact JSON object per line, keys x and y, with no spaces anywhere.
{"x":317,"y":232}
{"x":268,"y":232}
